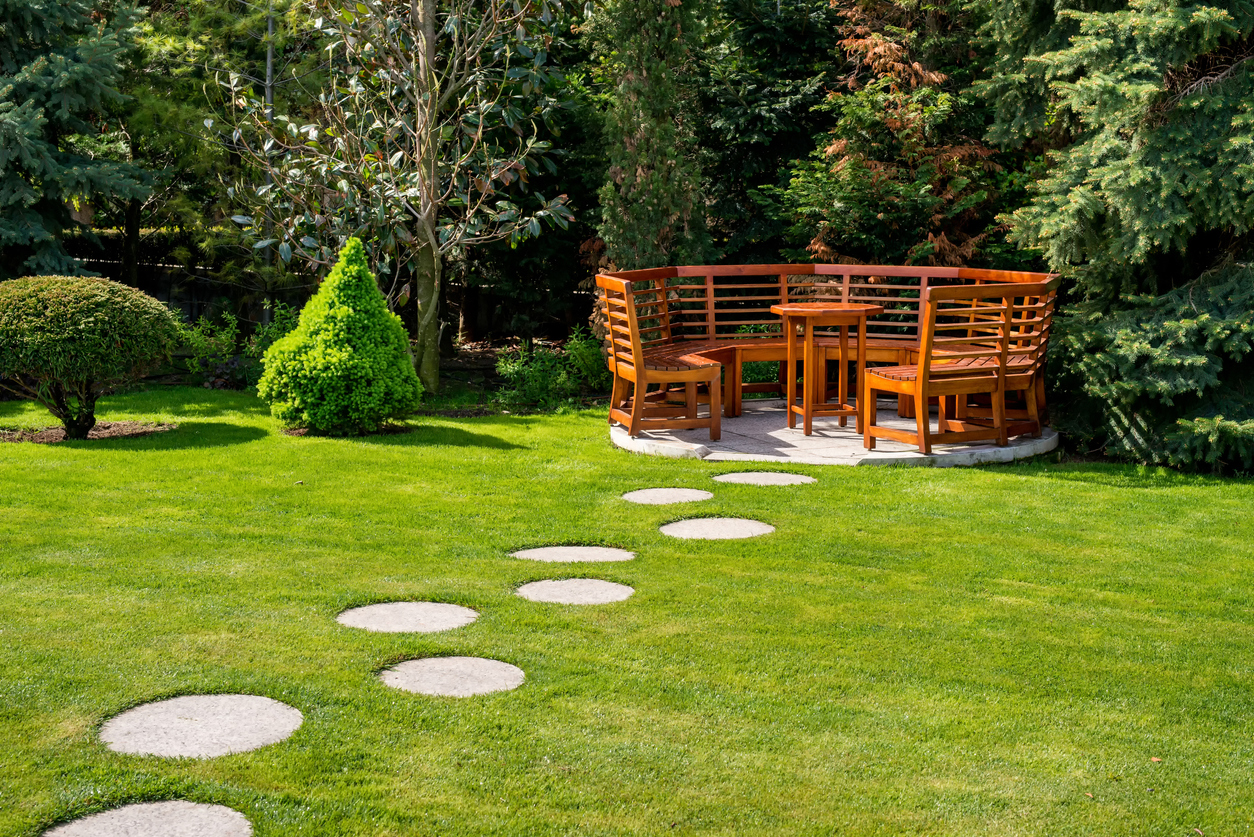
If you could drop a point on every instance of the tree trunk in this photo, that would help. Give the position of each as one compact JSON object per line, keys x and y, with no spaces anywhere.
{"x":77,"y":414}
{"x":130,"y":244}
{"x":426,"y":274}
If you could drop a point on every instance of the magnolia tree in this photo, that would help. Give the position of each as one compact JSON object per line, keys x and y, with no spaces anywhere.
{"x":421,"y":143}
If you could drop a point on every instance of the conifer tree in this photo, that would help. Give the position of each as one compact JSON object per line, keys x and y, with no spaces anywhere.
{"x":58,"y":73}
{"x":652,"y":210}
{"x":1148,"y":207}
{"x":346,"y":368}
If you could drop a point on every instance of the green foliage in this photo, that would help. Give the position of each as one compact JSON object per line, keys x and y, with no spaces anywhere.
{"x":66,"y":341}
{"x":544,"y":378}
{"x":901,"y":176}
{"x":651,"y":207}
{"x":1147,"y":205}
{"x":765,"y":68}
{"x":346,"y":368}
{"x":221,"y":359}
{"x":58,"y":73}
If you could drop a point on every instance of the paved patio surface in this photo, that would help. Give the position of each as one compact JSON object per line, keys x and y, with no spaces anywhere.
{"x":761,"y":434}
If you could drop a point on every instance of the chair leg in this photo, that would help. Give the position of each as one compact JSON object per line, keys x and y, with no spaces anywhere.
{"x":690,"y":399}
{"x":716,"y":412}
{"x":942,"y":413}
{"x":1034,"y":413}
{"x":870,"y":397}
{"x":637,"y":409}
{"x":999,"y":417}
{"x":1041,"y":407}
{"x":617,"y":396}
{"x":922,"y":418}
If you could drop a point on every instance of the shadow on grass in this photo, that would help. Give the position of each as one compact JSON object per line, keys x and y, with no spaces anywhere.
{"x":189,"y":435}
{"x":1121,"y":475}
{"x":428,"y":435}
{"x":194,"y":402}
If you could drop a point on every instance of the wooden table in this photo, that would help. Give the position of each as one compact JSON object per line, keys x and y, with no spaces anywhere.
{"x":814,"y":369}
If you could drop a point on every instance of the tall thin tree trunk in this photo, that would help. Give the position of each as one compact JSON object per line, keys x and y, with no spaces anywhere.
{"x":427,"y":337}
{"x":427,"y":266}
{"x":130,"y":243}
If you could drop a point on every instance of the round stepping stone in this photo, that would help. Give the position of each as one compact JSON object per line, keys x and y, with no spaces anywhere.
{"x":575,"y":591}
{"x":666,"y":496}
{"x":408,"y":617}
{"x":159,"y":819}
{"x":716,"y":528}
{"x":765,"y":478}
{"x":574,"y":554}
{"x":201,"y":726}
{"x":453,"y":676}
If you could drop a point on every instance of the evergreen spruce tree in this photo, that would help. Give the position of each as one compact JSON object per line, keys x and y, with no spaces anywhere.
{"x":58,"y":73}
{"x":1148,"y":206}
{"x":652,"y":208}
{"x":346,"y":368}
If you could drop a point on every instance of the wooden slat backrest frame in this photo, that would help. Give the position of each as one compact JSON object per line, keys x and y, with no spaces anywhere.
{"x":966,"y":322}
{"x":691,"y":303}
{"x":623,"y":330}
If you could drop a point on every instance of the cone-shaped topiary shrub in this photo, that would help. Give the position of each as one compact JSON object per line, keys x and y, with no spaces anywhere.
{"x":65,"y":341}
{"x":346,"y":368}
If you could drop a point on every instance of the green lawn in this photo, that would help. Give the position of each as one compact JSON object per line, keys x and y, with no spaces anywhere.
{"x":993,"y":651}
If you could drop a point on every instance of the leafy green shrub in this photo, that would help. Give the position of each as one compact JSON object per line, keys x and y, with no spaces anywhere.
{"x":537,"y":376}
{"x":66,"y":341}
{"x":214,"y":354}
{"x":346,"y":369}
{"x":221,"y":361}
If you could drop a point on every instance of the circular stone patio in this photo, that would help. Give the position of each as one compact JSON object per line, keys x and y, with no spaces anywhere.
{"x":716,"y":528}
{"x":408,"y":617}
{"x":764,"y":478}
{"x":453,"y":676}
{"x":159,"y":819}
{"x":761,"y":434}
{"x":201,"y":726}
{"x":574,"y":554}
{"x":666,"y":496}
{"x":575,"y":591}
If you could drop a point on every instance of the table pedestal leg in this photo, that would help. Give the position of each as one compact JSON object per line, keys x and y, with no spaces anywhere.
{"x":859,"y":417}
{"x":807,"y":381}
{"x":790,"y":383}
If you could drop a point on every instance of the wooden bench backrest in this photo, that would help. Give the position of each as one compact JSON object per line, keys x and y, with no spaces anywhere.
{"x":708,"y":302}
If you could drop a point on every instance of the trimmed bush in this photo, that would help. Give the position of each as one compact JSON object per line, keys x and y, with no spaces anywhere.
{"x":346,"y":369}
{"x":66,"y":341}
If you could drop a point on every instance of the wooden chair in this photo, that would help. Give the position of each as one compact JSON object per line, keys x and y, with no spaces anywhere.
{"x":639,"y":321}
{"x":963,"y":350}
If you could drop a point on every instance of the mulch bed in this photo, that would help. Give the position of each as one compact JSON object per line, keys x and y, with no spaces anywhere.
{"x":102,"y":430}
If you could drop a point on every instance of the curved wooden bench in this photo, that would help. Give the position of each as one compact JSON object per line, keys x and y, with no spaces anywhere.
{"x":695,"y":314}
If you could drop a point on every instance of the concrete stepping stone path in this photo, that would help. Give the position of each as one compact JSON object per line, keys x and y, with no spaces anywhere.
{"x":201,"y":726}
{"x":453,"y":676}
{"x":575,"y":591}
{"x":716,"y":528}
{"x":408,"y":617}
{"x":764,"y":478}
{"x":666,"y":496}
{"x":159,"y":819}
{"x":574,"y":554}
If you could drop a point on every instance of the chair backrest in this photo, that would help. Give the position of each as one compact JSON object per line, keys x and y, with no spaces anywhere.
{"x":966,"y":326}
{"x":1033,"y":319}
{"x":633,"y":319}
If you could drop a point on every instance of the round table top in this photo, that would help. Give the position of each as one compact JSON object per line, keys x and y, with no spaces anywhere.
{"x":826,"y":309}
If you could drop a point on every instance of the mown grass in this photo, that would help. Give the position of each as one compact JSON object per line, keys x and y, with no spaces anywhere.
{"x":992,"y":651}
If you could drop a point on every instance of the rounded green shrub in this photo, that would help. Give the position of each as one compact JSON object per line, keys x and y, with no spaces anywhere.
{"x":65,"y":341}
{"x":346,"y":368}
